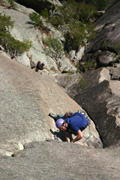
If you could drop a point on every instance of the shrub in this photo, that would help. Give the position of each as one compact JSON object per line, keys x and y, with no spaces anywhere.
{"x":99,"y":4}
{"x":38,"y":23}
{"x":11,"y":45}
{"x":36,"y":19}
{"x":5,"y":23}
{"x":89,"y":65}
{"x":69,"y":11}
{"x":73,"y":10}
{"x":45,"y":13}
{"x":55,"y":48}
{"x":86,"y":12}
{"x":79,"y":27}
{"x":12,"y":4}
{"x":56,"y":20}
{"x":77,"y":34}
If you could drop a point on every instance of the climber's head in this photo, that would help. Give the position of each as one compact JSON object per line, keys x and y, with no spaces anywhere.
{"x":61,"y":124}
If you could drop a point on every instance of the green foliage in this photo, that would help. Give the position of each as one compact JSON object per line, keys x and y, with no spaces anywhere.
{"x":77,"y":17}
{"x":12,"y":4}
{"x":86,"y":12}
{"x":56,"y":21}
{"x":36,"y":19}
{"x":38,"y":23}
{"x":5,"y":23}
{"x":89,"y":65}
{"x":44,"y":13}
{"x":105,"y":44}
{"x":75,"y":20}
{"x":69,"y":11}
{"x":99,"y":4}
{"x":77,"y":34}
{"x":117,"y":48}
{"x":10,"y":44}
{"x":55,"y":48}
{"x":73,"y":10}
{"x":83,"y":83}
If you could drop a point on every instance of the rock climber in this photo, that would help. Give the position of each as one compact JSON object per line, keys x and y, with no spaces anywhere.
{"x":75,"y":124}
{"x":39,"y":66}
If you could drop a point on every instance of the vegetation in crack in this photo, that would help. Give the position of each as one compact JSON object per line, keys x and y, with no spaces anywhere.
{"x":53,"y":47}
{"x":9,"y":4}
{"x":8,"y":42}
{"x":83,"y":83}
{"x":117,"y":48}
{"x":12,"y":4}
{"x":35,"y":17}
{"x":89,"y":65}
{"x":99,"y":4}
{"x":73,"y":19}
{"x":38,"y":22}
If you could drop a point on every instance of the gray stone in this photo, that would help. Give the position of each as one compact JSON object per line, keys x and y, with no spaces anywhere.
{"x":24,"y":30}
{"x":107,"y":38}
{"x":26,"y":99}
{"x":115,"y":73}
{"x":80,"y":53}
{"x":100,"y":97}
{"x":55,"y":160}
{"x":67,"y":80}
{"x":72,"y":54}
{"x":65,"y":65}
{"x":106,"y":58}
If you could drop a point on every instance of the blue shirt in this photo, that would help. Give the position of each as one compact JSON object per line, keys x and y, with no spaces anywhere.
{"x":77,"y":122}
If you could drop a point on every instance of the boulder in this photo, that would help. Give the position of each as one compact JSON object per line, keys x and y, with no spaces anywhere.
{"x":106,"y":58}
{"x":115,"y":73}
{"x":65,"y":65}
{"x":66,"y":80}
{"x":72,"y":54}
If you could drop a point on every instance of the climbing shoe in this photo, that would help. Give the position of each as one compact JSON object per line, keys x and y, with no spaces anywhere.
{"x":52,"y":115}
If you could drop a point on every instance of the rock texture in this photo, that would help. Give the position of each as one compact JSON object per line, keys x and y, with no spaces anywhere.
{"x":98,"y":91}
{"x":102,"y":50}
{"x":25,"y":30}
{"x":100,"y":96}
{"x":55,"y":160}
{"x":26,"y":99}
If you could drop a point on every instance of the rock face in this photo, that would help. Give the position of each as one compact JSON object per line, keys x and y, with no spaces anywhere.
{"x":98,"y":91}
{"x":103,"y":49}
{"x":100,"y":96}
{"x":55,"y":160}
{"x":25,"y":30}
{"x":26,"y":99}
